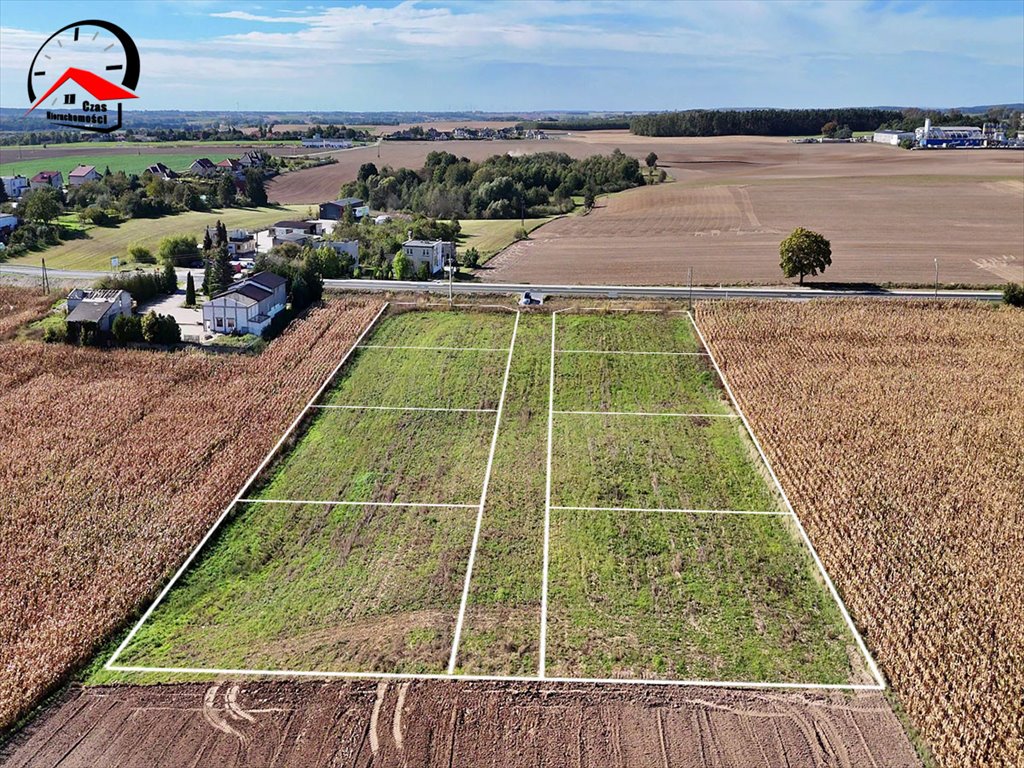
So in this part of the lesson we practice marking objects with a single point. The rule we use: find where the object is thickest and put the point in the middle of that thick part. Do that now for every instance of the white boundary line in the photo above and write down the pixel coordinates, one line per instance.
(483, 501)
(682, 511)
(542, 669)
(752, 684)
(434, 349)
(803, 533)
(628, 352)
(647, 413)
(242, 491)
(357, 503)
(407, 408)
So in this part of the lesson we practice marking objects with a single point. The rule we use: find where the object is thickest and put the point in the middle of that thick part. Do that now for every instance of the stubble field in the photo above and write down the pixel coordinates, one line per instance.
(898, 434)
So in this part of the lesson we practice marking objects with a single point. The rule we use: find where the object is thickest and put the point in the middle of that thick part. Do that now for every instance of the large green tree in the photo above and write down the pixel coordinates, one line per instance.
(804, 253)
(254, 187)
(42, 205)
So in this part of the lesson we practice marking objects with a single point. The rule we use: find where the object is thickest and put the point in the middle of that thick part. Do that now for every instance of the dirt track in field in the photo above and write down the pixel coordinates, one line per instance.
(459, 724)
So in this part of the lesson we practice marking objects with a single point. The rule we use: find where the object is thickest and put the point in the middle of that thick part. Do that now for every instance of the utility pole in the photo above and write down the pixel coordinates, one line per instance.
(46, 280)
(451, 271)
(936, 277)
(689, 281)
(522, 213)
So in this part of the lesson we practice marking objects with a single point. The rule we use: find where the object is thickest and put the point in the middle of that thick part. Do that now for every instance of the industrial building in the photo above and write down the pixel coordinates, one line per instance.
(892, 137)
(946, 136)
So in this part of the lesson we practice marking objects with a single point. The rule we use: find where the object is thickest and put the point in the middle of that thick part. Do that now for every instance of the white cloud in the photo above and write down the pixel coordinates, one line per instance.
(313, 53)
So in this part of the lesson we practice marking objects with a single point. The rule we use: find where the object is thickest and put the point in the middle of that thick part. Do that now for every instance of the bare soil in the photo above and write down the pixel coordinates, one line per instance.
(436, 723)
(888, 213)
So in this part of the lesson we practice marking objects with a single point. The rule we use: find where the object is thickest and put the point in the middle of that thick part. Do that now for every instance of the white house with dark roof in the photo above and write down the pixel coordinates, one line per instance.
(98, 307)
(82, 174)
(434, 253)
(246, 307)
(203, 167)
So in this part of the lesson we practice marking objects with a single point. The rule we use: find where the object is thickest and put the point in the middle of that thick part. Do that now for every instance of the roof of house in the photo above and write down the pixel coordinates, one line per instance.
(45, 176)
(227, 162)
(83, 170)
(204, 162)
(269, 280)
(425, 243)
(93, 305)
(293, 225)
(255, 288)
(345, 201)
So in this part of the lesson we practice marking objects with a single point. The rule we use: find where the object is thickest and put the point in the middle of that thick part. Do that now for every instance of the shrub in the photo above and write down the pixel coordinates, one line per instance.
(1013, 294)
(56, 333)
(126, 329)
(179, 250)
(143, 286)
(141, 254)
(472, 257)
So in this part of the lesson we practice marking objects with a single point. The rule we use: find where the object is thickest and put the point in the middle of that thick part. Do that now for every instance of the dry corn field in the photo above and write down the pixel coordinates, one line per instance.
(115, 463)
(19, 306)
(898, 432)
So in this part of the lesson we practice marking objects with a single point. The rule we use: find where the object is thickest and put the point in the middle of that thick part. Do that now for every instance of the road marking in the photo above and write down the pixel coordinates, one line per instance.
(435, 349)
(629, 352)
(358, 503)
(483, 501)
(659, 509)
(542, 671)
(408, 408)
(754, 684)
(647, 413)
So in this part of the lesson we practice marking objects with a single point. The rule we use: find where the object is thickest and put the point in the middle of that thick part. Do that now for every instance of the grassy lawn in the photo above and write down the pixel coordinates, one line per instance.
(682, 596)
(308, 587)
(586, 381)
(429, 457)
(655, 462)
(94, 251)
(625, 332)
(489, 236)
(376, 588)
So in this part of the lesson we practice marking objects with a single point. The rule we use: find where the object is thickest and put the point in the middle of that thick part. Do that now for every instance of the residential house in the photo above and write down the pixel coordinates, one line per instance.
(99, 308)
(251, 159)
(335, 209)
(232, 165)
(382, 219)
(298, 232)
(434, 253)
(349, 247)
(241, 244)
(8, 223)
(203, 167)
(15, 186)
(46, 179)
(246, 307)
(82, 174)
(162, 171)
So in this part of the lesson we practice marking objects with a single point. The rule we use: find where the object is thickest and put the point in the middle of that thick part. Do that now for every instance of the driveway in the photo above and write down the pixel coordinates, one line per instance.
(189, 319)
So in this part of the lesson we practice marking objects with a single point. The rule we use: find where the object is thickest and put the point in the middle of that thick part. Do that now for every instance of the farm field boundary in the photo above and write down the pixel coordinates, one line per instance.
(267, 497)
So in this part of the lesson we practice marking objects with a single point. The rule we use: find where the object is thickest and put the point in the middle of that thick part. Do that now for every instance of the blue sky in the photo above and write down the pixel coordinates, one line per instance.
(523, 55)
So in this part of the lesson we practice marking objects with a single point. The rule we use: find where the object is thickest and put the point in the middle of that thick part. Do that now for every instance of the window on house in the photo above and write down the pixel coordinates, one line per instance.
(231, 323)
(220, 321)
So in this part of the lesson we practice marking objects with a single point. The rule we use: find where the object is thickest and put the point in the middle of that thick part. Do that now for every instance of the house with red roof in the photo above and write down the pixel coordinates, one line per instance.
(82, 174)
(46, 179)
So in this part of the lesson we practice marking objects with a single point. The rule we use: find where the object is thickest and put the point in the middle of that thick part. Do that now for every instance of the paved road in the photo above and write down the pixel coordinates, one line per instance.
(603, 291)
(646, 291)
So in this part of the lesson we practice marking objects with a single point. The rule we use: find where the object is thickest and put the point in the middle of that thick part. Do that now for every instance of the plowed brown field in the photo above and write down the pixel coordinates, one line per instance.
(888, 213)
(459, 724)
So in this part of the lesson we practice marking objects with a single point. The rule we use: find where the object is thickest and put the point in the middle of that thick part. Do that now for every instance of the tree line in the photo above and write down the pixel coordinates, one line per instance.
(500, 187)
(759, 122)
